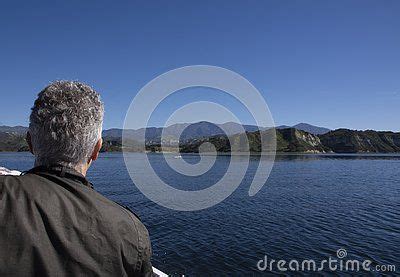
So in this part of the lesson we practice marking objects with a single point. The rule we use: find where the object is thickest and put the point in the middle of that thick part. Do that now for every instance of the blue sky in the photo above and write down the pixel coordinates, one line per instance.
(328, 63)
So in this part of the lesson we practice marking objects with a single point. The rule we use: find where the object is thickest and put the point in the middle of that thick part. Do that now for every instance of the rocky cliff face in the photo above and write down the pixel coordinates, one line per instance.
(288, 140)
(293, 140)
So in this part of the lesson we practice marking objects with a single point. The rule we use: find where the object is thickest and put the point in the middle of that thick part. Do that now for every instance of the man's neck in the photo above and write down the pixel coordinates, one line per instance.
(82, 168)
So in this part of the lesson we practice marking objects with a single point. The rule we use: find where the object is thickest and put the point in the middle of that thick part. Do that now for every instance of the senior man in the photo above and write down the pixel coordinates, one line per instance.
(52, 221)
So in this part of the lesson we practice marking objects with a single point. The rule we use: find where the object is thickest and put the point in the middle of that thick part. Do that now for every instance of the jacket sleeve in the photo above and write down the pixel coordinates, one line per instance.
(143, 262)
(136, 254)
(146, 268)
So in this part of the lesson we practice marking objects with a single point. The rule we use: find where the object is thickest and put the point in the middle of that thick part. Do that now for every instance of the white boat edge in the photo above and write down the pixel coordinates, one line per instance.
(159, 273)
(5, 171)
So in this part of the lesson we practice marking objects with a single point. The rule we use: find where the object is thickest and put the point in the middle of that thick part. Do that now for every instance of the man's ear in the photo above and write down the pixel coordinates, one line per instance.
(29, 141)
(96, 149)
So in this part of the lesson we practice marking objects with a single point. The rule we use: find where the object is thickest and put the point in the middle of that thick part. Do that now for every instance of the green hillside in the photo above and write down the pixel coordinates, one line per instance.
(12, 142)
(288, 140)
(349, 141)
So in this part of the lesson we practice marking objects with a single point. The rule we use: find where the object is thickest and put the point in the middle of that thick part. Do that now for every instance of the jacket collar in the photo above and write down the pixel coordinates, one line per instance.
(61, 171)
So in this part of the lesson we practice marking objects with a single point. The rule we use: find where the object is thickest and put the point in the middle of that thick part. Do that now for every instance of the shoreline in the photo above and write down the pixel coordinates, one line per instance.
(239, 154)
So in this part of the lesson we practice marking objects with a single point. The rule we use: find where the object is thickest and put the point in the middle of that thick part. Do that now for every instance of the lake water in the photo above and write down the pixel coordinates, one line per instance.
(311, 206)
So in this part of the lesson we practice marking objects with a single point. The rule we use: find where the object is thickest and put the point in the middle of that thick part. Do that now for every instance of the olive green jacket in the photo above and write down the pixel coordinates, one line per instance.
(53, 223)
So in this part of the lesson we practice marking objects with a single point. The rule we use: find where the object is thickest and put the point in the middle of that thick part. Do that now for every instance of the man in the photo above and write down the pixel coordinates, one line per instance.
(52, 221)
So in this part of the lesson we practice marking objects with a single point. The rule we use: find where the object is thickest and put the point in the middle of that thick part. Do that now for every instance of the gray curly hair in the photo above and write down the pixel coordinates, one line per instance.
(65, 123)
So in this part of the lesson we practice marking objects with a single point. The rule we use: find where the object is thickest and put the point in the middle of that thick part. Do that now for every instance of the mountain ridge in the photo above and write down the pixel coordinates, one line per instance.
(187, 137)
(315, 130)
(231, 127)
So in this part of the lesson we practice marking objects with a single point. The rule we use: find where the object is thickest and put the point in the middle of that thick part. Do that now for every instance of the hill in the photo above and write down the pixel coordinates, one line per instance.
(315, 130)
(12, 142)
(297, 141)
(350, 141)
(18, 130)
(181, 131)
(288, 140)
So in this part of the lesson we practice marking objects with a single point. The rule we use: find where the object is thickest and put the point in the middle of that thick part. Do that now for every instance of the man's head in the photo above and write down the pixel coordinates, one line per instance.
(65, 125)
